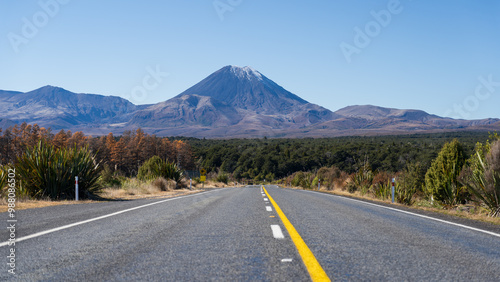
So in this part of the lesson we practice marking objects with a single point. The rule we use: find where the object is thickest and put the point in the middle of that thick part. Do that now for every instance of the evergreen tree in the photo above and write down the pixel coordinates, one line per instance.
(441, 178)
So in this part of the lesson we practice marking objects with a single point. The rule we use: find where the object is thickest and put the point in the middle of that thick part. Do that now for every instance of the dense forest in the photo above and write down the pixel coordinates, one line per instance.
(278, 158)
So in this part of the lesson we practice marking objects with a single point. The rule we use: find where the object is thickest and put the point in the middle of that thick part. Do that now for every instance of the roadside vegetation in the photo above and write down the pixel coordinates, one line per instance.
(46, 164)
(457, 171)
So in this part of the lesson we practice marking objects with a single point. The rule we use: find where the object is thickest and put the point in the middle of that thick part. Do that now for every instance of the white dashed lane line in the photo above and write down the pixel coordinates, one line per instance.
(277, 233)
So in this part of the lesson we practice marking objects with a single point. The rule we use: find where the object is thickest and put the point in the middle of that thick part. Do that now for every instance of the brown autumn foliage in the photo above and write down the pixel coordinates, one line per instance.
(123, 153)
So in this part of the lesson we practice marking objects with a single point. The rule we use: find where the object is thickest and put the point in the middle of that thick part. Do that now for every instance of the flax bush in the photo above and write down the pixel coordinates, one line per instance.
(45, 171)
(156, 167)
(363, 179)
(3, 180)
(482, 178)
(3, 177)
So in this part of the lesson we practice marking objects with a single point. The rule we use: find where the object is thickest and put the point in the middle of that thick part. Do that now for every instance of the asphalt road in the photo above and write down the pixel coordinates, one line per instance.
(226, 235)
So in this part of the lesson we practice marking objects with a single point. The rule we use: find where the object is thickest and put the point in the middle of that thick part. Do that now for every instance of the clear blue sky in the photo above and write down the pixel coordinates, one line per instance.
(429, 55)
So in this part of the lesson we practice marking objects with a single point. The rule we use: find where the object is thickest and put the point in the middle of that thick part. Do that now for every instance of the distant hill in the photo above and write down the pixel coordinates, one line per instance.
(373, 120)
(233, 102)
(62, 109)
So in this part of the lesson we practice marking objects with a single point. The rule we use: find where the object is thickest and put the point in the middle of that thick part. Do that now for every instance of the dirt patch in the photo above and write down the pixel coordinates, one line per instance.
(33, 204)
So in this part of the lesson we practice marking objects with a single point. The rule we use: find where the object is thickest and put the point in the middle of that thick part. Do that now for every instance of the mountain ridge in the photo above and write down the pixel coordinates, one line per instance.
(232, 102)
(59, 108)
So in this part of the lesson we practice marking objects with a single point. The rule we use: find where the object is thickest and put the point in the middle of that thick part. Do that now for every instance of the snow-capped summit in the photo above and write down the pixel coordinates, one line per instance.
(245, 72)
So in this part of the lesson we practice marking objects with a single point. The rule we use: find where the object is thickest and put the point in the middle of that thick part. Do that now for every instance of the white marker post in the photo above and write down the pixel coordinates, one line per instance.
(76, 188)
(190, 182)
(392, 189)
(319, 183)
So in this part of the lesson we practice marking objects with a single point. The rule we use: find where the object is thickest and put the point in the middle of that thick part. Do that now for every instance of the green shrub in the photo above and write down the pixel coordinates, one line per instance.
(21, 191)
(301, 179)
(3, 176)
(109, 178)
(222, 177)
(3, 180)
(156, 167)
(351, 187)
(315, 182)
(383, 190)
(409, 182)
(270, 177)
(403, 194)
(363, 179)
(413, 176)
(482, 178)
(441, 179)
(45, 171)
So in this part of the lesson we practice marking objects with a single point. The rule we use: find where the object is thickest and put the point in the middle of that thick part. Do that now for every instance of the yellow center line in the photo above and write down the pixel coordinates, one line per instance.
(313, 267)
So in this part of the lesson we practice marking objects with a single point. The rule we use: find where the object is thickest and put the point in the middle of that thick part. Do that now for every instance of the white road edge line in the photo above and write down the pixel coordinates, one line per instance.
(268, 208)
(97, 218)
(277, 233)
(415, 214)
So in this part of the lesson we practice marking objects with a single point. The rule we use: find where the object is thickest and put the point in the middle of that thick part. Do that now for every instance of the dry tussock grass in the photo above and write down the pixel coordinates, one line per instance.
(212, 184)
(135, 189)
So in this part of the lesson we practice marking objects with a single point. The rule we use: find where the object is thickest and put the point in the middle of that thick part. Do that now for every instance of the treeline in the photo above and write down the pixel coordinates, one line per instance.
(123, 154)
(259, 159)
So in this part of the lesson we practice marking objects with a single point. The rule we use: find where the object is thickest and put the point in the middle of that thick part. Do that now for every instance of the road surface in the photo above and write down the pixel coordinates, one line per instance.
(237, 234)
